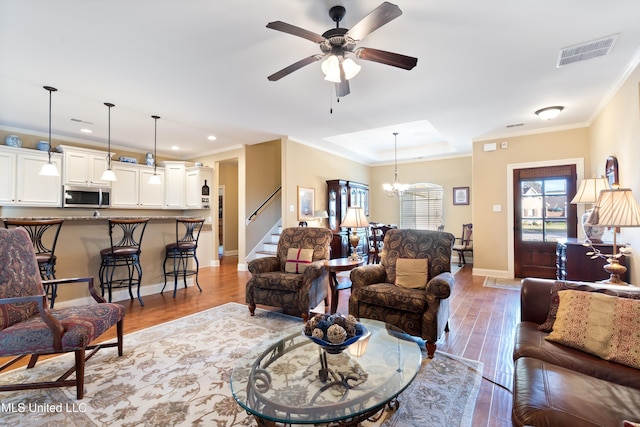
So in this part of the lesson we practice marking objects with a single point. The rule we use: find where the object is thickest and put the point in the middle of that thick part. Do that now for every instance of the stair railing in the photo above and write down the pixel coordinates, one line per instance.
(263, 206)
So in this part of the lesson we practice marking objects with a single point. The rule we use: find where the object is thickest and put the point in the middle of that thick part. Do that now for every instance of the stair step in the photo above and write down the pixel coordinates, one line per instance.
(264, 254)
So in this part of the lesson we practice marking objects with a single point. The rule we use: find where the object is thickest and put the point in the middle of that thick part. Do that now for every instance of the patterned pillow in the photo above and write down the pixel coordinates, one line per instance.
(602, 325)
(412, 273)
(298, 260)
(547, 326)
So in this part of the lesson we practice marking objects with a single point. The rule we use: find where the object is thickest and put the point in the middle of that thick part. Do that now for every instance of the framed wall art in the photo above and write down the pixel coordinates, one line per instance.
(460, 195)
(306, 203)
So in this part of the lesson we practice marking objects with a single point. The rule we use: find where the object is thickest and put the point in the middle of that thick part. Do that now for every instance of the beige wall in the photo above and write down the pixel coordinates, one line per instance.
(229, 180)
(448, 173)
(492, 231)
(616, 132)
(307, 167)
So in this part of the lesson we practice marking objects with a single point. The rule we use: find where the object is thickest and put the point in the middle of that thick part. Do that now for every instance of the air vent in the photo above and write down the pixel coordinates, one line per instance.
(587, 50)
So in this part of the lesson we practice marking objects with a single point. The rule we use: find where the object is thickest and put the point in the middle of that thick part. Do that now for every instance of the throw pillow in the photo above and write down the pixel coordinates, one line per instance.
(412, 273)
(298, 259)
(547, 326)
(602, 325)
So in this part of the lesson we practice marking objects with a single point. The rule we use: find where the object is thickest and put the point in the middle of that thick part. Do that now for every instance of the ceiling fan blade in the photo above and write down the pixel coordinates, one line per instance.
(296, 31)
(293, 67)
(379, 16)
(388, 58)
(342, 89)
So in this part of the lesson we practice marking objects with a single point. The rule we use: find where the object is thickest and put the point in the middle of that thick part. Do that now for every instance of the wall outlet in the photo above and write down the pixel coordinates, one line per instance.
(292, 208)
(497, 208)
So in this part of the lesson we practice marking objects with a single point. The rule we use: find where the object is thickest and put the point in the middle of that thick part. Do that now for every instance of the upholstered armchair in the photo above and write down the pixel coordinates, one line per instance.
(420, 307)
(29, 327)
(295, 280)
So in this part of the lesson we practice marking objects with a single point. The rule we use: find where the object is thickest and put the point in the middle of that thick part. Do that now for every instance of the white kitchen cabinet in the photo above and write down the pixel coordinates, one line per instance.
(132, 188)
(151, 195)
(197, 179)
(174, 190)
(22, 184)
(83, 166)
(33, 189)
(7, 177)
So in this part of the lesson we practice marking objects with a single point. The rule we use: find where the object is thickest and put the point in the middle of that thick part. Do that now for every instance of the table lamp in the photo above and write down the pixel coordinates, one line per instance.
(320, 216)
(614, 208)
(588, 193)
(354, 219)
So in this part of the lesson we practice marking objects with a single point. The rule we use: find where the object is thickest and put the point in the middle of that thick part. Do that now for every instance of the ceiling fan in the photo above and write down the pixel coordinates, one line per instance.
(338, 43)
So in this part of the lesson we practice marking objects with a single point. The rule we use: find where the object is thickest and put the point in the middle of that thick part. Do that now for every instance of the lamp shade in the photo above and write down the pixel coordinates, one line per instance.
(615, 208)
(321, 214)
(589, 190)
(354, 218)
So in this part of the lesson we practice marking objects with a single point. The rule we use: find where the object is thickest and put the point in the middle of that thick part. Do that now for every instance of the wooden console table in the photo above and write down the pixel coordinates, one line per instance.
(573, 263)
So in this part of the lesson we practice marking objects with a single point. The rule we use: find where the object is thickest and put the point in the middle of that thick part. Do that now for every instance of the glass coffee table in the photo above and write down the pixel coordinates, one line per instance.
(294, 381)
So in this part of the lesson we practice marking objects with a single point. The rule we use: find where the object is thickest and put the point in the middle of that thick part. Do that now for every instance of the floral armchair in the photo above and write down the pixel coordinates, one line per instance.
(272, 285)
(29, 327)
(422, 312)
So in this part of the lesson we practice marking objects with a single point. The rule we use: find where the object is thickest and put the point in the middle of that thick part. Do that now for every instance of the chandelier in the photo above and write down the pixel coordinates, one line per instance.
(395, 189)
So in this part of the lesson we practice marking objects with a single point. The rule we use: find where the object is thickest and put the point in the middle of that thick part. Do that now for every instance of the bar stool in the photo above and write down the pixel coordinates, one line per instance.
(181, 251)
(44, 237)
(125, 236)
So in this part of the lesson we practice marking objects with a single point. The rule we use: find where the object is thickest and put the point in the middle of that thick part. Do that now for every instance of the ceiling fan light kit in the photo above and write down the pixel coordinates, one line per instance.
(337, 43)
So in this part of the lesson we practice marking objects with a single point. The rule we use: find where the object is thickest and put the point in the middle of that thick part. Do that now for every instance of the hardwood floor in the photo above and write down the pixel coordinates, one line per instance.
(481, 325)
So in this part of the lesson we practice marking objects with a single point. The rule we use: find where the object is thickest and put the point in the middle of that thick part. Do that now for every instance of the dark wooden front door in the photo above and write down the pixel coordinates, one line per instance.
(542, 215)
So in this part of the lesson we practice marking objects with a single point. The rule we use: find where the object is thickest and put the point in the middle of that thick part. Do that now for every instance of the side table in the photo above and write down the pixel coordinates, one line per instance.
(335, 266)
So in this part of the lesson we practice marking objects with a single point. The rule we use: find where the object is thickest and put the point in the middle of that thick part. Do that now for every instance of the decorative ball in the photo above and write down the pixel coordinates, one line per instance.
(318, 333)
(336, 334)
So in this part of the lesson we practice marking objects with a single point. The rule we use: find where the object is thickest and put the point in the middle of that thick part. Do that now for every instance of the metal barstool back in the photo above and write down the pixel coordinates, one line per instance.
(125, 237)
(184, 248)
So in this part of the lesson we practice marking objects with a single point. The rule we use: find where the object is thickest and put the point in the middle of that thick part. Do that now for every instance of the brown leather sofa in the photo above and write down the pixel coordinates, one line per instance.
(555, 385)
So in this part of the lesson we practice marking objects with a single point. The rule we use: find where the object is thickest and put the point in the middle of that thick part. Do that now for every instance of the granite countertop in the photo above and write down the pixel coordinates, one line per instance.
(92, 218)
(205, 226)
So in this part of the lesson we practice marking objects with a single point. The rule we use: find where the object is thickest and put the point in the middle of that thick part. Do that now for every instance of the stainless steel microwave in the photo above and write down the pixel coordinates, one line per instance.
(86, 197)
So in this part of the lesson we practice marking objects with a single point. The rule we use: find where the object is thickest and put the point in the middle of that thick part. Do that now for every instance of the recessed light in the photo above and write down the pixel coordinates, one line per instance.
(175, 148)
(85, 130)
(211, 138)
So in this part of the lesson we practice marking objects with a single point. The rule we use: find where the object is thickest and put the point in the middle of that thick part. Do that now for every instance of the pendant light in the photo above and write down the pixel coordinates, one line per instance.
(108, 174)
(49, 169)
(395, 189)
(155, 179)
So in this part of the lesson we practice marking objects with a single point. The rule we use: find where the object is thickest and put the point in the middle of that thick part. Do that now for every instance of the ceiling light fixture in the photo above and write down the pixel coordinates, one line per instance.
(211, 138)
(108, 174)
(155, 179)
(49, 169)
(549, 112)
(395, 189)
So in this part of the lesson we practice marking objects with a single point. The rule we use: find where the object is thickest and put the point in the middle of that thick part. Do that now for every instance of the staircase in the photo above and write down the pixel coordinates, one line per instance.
(270, 245)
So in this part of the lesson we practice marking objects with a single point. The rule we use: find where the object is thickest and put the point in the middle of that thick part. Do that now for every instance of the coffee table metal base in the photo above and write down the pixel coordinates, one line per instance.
(372, 415)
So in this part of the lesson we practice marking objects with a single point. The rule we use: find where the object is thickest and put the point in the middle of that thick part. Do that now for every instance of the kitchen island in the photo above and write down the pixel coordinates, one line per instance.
(82, 237)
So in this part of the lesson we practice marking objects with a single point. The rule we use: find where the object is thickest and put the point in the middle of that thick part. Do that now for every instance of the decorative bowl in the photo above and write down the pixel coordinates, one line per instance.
(337, 348)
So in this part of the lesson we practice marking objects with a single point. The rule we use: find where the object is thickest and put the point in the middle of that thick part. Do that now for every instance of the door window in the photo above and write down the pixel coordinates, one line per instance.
(544, 209)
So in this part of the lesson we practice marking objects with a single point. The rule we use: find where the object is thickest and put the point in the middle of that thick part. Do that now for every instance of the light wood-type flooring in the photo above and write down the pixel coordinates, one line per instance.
(481, 325)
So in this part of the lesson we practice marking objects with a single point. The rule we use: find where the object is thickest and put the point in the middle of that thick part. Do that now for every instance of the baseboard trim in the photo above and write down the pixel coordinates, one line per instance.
(503, 274)
(122, 295)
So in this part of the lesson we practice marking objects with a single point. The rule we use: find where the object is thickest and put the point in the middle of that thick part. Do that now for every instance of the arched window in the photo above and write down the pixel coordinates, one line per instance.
(422, 207)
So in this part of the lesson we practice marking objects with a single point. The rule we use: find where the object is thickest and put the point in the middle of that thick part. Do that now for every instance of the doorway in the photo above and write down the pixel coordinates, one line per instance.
(542, 216)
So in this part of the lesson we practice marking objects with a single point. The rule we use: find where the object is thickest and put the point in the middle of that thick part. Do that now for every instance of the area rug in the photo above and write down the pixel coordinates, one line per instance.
(177, 373)
(500, 283)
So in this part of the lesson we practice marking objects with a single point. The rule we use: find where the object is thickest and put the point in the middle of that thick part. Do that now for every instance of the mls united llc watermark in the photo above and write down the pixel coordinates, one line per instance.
(33, 407)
